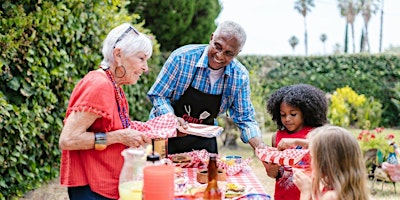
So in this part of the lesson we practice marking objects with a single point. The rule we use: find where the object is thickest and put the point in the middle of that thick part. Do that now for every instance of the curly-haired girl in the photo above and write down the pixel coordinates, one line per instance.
(296, 110)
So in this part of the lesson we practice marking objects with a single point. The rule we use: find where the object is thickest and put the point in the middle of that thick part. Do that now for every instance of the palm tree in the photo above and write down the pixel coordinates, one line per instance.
(293, 41)
(349, 9)
(381, 28)
(368, 7)
(303, 7)
(323, 39)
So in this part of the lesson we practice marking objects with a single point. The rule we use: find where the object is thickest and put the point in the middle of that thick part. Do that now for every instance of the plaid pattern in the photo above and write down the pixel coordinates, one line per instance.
(287, 157)
(163, 126)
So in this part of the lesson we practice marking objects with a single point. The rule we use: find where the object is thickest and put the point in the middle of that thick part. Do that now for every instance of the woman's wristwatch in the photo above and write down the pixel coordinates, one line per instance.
(100, 141)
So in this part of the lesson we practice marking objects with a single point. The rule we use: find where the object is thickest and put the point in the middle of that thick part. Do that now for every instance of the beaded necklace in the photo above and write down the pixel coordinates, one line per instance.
(121, 101)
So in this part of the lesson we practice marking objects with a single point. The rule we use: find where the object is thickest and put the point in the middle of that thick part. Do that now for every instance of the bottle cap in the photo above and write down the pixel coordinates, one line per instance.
(153, 157)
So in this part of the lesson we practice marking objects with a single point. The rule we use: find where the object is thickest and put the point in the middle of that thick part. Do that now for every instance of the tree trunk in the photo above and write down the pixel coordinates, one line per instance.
(230, 132)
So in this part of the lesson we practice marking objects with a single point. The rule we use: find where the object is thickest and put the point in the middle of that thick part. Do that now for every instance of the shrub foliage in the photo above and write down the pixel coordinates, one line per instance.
(46, 47)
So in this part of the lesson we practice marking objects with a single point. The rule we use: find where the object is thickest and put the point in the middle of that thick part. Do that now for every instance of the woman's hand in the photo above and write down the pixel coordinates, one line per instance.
(132, 138)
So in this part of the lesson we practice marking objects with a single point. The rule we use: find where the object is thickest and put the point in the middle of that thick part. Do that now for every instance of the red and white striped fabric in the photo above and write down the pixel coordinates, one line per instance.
(287, 157)
(163, 126)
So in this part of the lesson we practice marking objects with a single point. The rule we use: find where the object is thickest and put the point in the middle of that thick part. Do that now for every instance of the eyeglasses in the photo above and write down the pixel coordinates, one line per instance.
(130, 28)
(219, 49)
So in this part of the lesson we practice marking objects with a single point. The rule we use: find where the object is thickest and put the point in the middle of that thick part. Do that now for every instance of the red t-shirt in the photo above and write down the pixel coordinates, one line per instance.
(98, 169)
(285, 189)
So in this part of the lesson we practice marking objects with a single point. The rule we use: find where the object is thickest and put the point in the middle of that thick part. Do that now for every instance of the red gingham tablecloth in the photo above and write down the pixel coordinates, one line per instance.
(245, 178)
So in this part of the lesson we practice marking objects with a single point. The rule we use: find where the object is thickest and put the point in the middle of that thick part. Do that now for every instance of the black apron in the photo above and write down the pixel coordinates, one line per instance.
(197, 107)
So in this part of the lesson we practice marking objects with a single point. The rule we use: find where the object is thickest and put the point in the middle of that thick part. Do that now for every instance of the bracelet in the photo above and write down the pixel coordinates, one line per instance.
(100, 141)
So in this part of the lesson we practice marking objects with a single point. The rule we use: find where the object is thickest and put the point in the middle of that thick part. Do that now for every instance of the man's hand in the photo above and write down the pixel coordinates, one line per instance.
(183, 124)
(272, 169)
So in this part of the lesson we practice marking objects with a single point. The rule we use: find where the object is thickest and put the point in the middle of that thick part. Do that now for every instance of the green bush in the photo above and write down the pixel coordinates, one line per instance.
(347, 108)
(46, 47)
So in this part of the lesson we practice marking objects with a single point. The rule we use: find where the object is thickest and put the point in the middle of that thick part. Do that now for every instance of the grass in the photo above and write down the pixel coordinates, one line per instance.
(381, 191)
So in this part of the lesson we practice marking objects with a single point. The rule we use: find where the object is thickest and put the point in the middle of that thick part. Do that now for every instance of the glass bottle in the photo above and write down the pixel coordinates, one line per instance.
(131, 176)
(161, 147)
(392, 158)
(212, 191)
(153, 159)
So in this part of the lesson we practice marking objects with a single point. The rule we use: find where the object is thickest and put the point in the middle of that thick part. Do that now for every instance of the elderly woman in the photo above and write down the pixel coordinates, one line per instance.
(96, 126)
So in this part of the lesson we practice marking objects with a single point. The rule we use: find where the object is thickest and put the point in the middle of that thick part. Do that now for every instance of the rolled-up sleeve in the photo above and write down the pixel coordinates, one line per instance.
(161, 92)
(242, 112)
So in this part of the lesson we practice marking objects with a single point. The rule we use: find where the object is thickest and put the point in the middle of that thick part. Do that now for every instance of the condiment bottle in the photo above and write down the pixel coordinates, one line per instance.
(392, 158)
(161, 147)
(153, 159)
(212, 191)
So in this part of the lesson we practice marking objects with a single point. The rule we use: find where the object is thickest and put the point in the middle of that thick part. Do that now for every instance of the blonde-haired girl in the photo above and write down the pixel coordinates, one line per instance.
(338, 167)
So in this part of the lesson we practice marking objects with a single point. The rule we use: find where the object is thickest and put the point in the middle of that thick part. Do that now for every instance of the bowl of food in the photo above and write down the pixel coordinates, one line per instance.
(202, 175)
(232, 159)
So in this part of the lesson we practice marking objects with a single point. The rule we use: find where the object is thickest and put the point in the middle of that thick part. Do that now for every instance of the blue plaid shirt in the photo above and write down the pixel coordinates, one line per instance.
(177, 74)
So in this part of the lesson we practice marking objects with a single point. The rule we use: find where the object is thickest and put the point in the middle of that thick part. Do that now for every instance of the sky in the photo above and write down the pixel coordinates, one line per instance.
(269, 24)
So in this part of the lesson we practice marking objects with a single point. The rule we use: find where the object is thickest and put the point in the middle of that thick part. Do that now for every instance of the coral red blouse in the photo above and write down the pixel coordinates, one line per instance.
(98, 169)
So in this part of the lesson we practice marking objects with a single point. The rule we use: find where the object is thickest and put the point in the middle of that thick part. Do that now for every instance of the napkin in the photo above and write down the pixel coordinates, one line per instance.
(235, 168)
(287, 157)
(202, 130)
(163, 126)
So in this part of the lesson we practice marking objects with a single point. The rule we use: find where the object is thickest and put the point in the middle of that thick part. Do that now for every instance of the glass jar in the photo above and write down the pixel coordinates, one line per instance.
(131, 176)
(161, 147)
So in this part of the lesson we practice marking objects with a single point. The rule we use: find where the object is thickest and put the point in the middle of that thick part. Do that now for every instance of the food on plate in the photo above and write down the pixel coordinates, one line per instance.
(234, 190)
(178, 171)
(181, 159)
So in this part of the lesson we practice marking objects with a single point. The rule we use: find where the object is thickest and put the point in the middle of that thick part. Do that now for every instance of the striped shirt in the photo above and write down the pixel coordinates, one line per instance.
(179, 71)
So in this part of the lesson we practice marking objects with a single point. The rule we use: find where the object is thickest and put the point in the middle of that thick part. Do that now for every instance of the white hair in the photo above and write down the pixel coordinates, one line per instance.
(130, 43)
(233, 29)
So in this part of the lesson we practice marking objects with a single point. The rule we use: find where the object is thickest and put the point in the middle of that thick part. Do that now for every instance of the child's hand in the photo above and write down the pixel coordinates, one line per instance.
(286, 143)
(301, 180)
(289, 143)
